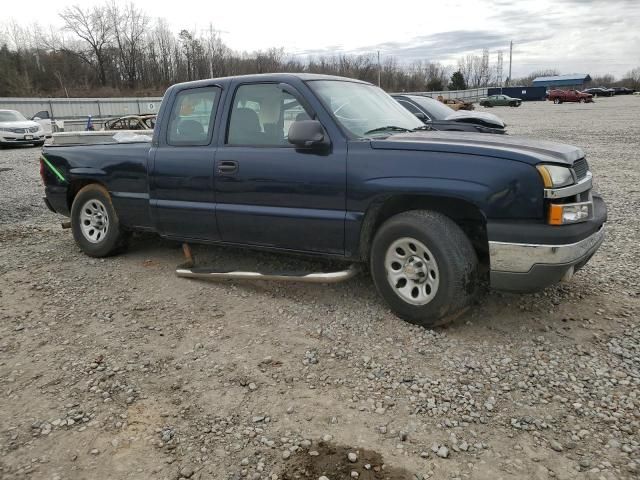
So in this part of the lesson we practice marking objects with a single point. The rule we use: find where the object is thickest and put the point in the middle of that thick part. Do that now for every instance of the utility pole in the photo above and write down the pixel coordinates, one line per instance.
(379, 67)
(499, 70)
(510, 57)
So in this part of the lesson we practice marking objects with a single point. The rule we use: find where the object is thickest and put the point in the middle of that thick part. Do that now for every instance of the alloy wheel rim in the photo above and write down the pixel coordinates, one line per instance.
(94, 221)
(412, 271)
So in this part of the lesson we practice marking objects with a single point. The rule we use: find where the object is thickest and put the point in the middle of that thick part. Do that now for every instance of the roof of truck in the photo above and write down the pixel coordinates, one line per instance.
(270, 77)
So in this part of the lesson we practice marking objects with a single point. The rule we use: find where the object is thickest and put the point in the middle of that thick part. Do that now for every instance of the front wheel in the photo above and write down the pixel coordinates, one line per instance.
(94, 223)
(556, 101)
(424, 267)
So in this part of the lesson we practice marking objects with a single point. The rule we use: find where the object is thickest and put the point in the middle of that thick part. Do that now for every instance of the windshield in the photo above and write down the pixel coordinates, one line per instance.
(11, 116)
(435, 109)
(361, 108)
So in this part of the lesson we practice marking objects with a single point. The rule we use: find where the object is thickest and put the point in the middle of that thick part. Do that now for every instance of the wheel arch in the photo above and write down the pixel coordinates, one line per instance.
(468, 216)
(75, 185)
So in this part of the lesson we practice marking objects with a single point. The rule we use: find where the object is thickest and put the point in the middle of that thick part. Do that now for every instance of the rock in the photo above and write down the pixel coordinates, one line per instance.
(186, 471)
(585, 462)
(327, 438)
(95, 451)
(253, 386)
(286, 454)
(353, 458)
(443, 452)
(354, 474)
(555, 445)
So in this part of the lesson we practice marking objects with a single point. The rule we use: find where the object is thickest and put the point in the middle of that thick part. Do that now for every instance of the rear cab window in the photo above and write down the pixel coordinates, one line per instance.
(192, 116)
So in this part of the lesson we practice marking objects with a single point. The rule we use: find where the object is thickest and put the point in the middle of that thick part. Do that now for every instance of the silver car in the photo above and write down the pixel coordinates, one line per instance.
(15, 129)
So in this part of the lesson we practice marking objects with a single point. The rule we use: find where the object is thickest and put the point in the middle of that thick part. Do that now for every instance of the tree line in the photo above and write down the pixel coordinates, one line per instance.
(110, 50)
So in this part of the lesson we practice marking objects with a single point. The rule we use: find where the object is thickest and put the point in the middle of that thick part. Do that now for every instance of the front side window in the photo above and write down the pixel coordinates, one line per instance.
(436, 109)
(362, 109)
(192, 116)
(409, 106)
(261, 115)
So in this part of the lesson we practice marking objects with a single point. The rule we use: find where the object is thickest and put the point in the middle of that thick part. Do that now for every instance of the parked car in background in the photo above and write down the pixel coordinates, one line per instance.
(15, 129)
(559, 96)
(623, 91)
(131, 122)
(600, 92)
(500, 100)
(43, 118)
(442, 117)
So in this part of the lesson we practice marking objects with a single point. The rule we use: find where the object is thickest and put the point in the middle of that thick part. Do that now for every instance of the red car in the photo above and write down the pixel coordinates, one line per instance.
(559, 96)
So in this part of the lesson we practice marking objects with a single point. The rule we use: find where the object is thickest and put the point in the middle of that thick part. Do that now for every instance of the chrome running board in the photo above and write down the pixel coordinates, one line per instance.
(204, 273)
(188, 270)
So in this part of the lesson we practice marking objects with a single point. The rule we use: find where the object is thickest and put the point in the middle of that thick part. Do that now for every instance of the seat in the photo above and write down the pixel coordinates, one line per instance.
(191, 131)
(302, 116)
(244, 128)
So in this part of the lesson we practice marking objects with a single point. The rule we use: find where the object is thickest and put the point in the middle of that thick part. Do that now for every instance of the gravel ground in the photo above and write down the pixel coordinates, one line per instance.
(115, 368)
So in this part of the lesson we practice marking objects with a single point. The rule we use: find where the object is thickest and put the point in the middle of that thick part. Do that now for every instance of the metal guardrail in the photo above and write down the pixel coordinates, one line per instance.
(81, 108)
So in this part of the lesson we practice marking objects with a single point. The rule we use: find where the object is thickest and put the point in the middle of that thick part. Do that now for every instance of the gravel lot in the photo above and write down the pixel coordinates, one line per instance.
(113, 369)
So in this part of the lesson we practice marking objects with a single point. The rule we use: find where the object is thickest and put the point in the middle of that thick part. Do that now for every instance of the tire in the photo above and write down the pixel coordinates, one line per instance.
(94, 222)
(434, 248)
(557, 101)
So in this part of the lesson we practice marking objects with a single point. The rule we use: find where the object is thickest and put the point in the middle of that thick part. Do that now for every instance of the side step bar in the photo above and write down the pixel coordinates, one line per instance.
(188, 270)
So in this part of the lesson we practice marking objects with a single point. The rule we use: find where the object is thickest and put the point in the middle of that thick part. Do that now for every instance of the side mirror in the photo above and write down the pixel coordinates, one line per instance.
(307, 134)
(421, 116)
(36, 119)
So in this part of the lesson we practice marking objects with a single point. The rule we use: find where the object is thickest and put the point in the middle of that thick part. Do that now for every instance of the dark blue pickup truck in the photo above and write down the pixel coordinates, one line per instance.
(334, 167)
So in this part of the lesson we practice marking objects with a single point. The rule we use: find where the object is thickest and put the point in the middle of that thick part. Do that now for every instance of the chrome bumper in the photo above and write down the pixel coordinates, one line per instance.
(528, 267)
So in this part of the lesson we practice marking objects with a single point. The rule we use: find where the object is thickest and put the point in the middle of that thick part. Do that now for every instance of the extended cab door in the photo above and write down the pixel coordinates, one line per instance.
(182, 194)
(269, 193)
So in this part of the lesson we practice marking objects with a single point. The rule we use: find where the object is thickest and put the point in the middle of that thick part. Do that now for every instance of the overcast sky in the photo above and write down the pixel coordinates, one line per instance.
(572, 36)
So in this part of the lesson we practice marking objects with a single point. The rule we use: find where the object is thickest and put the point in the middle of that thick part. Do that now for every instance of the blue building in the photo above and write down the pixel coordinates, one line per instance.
(577, 81)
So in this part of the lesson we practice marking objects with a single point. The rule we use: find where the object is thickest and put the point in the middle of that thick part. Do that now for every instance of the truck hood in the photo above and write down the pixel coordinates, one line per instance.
(521, 149)
(19, 124)
(481, 118)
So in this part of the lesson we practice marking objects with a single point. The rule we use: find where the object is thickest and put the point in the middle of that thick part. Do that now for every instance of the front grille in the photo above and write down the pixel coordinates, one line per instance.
(25, 130)
(581, 167)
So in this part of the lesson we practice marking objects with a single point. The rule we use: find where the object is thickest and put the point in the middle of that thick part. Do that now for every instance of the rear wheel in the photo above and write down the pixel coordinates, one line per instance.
(424, 267)
(557, 101)
(94, 223)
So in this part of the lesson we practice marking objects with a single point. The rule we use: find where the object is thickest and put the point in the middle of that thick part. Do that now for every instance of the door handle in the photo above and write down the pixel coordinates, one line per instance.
(227, 167)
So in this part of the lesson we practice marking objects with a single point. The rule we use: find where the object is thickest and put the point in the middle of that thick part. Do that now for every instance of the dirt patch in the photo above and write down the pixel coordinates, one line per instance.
(332, 461)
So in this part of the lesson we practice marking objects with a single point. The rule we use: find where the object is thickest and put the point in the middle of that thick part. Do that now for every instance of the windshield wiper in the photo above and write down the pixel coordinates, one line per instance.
(388, 127)
(422, 127)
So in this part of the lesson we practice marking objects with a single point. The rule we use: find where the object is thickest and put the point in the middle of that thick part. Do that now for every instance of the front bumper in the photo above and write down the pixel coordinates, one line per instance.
(543, 261)
(21, 138)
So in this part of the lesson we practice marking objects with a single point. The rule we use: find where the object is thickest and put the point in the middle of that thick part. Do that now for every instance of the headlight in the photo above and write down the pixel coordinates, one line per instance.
(554, 176)
(561, 214)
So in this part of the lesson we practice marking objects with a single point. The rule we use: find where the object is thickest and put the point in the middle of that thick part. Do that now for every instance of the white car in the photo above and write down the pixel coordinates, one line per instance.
(17, 130)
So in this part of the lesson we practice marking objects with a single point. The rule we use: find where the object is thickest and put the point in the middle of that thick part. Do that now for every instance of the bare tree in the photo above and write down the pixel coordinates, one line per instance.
(94, 27)
(129, 25)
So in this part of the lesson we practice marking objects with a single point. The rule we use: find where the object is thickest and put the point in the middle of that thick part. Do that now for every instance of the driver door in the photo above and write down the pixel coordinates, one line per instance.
(269, 193)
